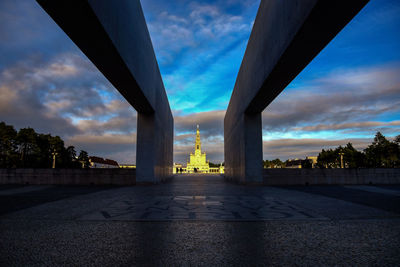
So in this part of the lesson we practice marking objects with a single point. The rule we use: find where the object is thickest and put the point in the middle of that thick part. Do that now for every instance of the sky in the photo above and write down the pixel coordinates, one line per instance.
(347, 93)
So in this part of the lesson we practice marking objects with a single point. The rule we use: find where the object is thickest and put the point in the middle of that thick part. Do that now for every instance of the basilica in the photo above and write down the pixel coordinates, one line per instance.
(198, 162)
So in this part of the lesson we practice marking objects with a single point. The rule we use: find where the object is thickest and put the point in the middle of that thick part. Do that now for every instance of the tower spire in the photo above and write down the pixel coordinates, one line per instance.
(198, 142)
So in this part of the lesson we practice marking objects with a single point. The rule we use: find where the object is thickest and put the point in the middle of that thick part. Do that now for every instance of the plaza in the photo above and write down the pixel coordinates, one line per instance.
(147, 216)
(199, 220)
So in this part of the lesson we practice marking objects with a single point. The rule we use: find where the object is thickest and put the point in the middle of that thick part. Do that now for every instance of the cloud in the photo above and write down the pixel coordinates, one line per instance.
(211, 123)
(193, 42)
(347, 103)
(120, 147)
(21, 101)
(26, 30)
(66, 96)
(211, 133)
(350, 125)
(48, 84)
(339, 100)
(300, 148)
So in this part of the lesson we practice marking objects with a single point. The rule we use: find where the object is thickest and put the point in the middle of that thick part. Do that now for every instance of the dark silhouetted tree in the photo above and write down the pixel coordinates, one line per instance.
(275, 163)
(28, 149)
(329, 158)
(84, 159)
(8, 146)
(382, 153)
(352, 157)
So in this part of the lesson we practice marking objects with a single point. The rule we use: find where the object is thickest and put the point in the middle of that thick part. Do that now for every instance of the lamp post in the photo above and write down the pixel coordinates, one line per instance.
(54, 153)
(341, 159)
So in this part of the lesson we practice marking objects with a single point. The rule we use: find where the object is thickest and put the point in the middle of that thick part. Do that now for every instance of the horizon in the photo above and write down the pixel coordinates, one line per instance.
(49, 85)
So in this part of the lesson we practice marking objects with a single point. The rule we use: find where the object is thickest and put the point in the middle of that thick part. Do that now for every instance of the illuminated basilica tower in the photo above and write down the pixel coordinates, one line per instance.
(198, 161)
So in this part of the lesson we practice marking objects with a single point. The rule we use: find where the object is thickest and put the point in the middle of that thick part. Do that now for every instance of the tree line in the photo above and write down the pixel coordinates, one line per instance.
(382, 153)
(27, 149)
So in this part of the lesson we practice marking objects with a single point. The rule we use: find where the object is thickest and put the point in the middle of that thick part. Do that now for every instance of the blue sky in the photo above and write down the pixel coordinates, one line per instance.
(347, 93)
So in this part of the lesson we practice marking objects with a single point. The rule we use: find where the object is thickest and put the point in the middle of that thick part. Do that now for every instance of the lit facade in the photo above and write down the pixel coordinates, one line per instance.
(198, 162)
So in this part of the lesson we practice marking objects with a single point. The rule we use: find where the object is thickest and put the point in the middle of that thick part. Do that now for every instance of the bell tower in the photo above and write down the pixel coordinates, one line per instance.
(197, 150)
(197, 162)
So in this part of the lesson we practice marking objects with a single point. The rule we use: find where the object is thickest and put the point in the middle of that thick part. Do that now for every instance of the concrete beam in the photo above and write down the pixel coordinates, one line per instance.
(114, 36)
(286, 36)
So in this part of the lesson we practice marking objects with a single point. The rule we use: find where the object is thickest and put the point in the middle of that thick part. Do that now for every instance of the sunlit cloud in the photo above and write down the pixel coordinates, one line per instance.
(350, 91)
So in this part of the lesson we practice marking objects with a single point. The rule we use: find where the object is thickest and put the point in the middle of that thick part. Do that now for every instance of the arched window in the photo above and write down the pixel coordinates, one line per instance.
(197, 146)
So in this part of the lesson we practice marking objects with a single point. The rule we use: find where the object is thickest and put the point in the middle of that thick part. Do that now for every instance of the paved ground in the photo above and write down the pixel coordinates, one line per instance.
(200, 221)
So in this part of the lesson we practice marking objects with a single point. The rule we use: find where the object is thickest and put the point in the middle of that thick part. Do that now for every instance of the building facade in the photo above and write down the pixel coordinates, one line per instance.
(97, 162)
(197, 161)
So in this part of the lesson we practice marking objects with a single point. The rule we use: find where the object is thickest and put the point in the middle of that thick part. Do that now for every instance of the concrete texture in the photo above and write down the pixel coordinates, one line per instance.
(330, 176)
(68, 176)
(286, 36)
(62, 225)
(114, 36)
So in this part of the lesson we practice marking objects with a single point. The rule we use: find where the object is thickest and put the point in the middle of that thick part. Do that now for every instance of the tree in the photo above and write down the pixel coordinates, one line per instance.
(396, 140)
(276, 163)
(382, 153)
(27, 146)
(72, 159)
(71, 153)
(84, 159)
(8, 146)
(329, 158)
(44, 158)
(214, 165)
(28, 149)
(353, 158)
(306, 164)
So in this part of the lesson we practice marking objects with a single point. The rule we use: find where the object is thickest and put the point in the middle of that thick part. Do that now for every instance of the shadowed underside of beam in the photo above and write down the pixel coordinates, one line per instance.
(286, 36)
(114, 36)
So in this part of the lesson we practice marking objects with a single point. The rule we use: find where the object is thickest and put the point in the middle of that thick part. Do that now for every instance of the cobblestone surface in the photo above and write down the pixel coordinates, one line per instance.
(72, 229)
(227, 208)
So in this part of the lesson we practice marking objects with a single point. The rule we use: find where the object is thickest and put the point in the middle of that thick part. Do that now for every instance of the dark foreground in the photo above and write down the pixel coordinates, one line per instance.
(200, 220)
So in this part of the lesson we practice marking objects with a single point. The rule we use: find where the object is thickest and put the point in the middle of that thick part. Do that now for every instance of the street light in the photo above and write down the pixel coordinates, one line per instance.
(341, 159)
(54, 153)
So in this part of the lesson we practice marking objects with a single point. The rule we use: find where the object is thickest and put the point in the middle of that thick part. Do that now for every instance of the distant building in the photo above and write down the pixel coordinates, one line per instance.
(97, 162)
(313, 161)
(197, 162)
(127, 166)
(309, 162)
(177, 168)
(220, 169)
(294, 163)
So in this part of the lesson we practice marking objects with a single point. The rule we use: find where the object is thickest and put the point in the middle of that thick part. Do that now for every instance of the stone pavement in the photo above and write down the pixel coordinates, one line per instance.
(200, 220)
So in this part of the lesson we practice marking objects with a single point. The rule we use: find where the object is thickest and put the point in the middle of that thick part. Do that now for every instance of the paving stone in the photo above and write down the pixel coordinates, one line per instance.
(198, 221)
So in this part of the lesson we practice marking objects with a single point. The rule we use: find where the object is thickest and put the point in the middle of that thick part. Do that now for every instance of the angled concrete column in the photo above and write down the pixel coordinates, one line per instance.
(286, 36)
(244, 156)
(114, 36)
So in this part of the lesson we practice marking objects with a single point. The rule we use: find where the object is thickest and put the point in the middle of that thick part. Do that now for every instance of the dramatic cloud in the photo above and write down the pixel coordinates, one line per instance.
(121, 147)
(345, 99)
(211, 131)
(350, 91)
(67, 96)
(199, 46)
(211, 123)
(350, 125)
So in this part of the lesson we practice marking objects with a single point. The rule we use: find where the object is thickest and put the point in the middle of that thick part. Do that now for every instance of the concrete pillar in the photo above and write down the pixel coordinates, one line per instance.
(243, 150)
(286, 36)
(145, 148)
(153, 157)
(114, 36)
